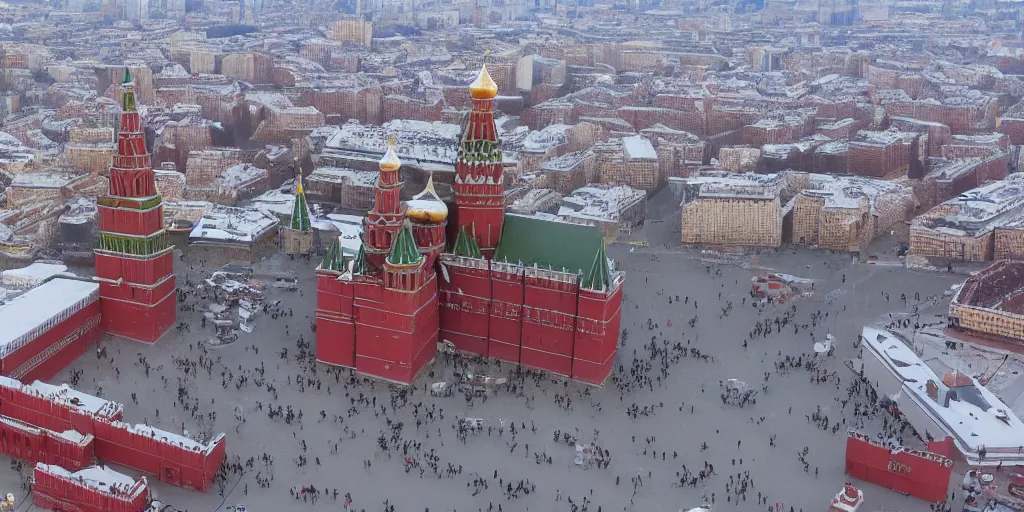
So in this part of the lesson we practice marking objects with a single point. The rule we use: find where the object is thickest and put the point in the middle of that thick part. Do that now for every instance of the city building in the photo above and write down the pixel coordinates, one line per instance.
(963, 228)
(616, 210)
(732, 209)
(530, 291)
(234, 235)
(845, 213)
(134, 261)
(991, 303)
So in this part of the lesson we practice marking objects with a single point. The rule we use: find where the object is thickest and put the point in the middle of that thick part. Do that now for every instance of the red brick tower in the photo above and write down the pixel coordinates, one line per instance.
(382, 319)
(397, 326)
(384, 220)
(479, 187)
(134, 262)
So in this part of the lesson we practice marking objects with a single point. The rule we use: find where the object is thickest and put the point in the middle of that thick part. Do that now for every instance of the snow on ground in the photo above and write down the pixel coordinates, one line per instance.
(654, 274)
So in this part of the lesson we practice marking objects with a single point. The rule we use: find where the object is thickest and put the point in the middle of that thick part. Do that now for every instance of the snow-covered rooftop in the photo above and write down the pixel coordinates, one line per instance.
(97, 477)
(41, 180)
(638, 147)
(599, 203)
(26, 316)
(276, 202)
(349, 227)
(977, 209)
(66, 396)
(230, 224)
(549, 137)
(32, 275)
(172, 438)
(342, 174)
(737, 185)
(239, 175)
(847, 191)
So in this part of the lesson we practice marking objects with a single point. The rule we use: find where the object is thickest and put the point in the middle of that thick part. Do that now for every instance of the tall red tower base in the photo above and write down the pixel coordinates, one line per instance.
(134, 261)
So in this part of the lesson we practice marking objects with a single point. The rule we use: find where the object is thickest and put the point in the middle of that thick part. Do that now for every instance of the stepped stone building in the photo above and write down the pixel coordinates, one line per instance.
(732, 209)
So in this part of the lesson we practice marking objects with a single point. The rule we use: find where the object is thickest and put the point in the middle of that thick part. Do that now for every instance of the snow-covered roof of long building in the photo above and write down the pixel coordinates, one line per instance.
(97, 477)
(637, 147)
(847, 191)
(66, 396)
(25, 317)
(230, 224)
(599, 202)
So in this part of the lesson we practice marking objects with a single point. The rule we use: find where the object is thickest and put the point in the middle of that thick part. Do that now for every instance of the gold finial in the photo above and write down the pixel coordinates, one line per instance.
(390, 161)
(298, 188)
(483, 88)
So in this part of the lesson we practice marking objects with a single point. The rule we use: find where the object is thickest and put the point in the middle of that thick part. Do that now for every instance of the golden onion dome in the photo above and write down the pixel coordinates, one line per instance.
(483, 88)
(426, 207)
(390, 161)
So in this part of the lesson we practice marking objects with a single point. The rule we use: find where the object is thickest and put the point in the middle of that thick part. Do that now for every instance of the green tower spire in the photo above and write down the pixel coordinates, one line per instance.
(403, 249)
(332, 259)
(599, 277)
(128, 96)
(466, 245)
(359, 267)
(300, 212)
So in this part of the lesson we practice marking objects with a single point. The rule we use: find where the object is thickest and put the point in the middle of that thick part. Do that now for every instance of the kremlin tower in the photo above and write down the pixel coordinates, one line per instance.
(378, 314)
(384, 219)
(526, 290)
(297, 237)
(479, 185)
(134, 262)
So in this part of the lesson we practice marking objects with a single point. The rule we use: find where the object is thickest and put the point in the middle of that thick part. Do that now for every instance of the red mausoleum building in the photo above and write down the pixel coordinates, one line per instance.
(531, 291)
(134, 262)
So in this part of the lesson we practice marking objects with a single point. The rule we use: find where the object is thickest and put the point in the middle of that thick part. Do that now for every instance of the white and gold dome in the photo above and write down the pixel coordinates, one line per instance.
(426, 207)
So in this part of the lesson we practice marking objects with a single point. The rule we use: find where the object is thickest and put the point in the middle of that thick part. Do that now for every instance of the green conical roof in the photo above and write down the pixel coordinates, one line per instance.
(600, 275)
(128, 95)
(466, 245)
(359, 266)
(403, 249)
(300, 212)
(332, 260)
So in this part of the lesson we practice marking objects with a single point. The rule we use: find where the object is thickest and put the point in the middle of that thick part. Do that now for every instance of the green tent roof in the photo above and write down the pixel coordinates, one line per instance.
(128, 96)
(332, 259)
(600, 275)
(359, 266)
(300, 212)
(403, 248)
(466, 245)
(548, 243)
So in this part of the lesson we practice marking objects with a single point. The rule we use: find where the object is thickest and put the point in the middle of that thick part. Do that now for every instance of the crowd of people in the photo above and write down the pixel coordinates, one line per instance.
(413, 431)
